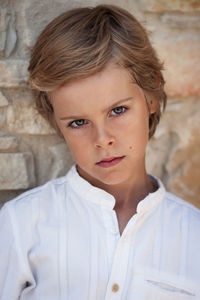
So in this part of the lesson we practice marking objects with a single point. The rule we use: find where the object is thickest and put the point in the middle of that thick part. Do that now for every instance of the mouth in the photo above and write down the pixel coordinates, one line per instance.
(110, 161)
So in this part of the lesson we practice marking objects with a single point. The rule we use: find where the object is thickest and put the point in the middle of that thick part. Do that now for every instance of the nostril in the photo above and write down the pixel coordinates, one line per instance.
(98, 146)
(104, 141)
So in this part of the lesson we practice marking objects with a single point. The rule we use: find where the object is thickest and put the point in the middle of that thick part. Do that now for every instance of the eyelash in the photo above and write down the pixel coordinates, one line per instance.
(116, 115)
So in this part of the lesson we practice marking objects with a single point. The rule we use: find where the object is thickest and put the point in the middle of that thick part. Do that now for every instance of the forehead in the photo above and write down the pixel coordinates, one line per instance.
(111, 84)
(111, 72)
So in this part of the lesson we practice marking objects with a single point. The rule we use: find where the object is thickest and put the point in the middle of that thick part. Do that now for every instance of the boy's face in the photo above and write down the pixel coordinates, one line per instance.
(104, 117)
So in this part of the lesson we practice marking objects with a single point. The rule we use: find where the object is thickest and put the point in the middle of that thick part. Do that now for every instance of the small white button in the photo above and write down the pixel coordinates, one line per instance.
(115, 288)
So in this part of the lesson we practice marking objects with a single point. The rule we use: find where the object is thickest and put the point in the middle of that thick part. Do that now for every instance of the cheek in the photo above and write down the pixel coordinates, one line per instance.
(77, 152)
(137, 137)
(77, 145)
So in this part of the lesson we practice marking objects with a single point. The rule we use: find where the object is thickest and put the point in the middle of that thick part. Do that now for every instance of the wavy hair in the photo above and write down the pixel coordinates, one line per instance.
(80, 42)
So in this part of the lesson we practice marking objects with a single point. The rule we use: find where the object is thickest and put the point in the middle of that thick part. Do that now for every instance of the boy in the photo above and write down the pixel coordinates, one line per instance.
(106, 230)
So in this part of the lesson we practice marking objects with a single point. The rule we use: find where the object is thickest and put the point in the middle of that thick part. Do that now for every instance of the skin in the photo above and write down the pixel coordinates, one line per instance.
(96, 125)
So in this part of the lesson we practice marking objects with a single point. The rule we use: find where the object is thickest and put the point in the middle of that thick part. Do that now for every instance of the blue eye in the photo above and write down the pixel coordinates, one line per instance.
(119, 110)
(77, 123)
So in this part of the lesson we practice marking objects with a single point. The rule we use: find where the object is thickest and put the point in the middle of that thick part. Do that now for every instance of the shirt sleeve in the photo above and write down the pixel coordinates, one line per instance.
(13, 270)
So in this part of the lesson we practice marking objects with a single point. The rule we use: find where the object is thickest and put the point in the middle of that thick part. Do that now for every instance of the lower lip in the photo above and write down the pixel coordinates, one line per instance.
(107, 164)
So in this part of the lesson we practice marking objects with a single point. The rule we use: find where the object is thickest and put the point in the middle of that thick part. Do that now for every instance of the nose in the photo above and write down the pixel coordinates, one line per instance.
(103, 139)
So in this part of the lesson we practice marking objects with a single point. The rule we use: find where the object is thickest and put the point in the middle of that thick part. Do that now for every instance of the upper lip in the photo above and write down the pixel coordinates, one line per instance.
(108, 159)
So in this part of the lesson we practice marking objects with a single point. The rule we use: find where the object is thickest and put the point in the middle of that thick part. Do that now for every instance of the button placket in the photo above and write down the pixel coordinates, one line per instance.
(119, 270)
(112, 235)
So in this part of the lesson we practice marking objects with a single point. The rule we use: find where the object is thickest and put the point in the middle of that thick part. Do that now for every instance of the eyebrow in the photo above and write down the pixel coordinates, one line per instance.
(108, 108)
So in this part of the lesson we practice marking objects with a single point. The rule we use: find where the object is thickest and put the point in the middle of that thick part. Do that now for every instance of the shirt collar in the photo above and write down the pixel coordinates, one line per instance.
(96, 195)
(152, 199)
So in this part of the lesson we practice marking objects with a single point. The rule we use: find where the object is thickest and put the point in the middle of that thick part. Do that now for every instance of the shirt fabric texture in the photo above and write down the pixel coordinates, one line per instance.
(61, 241)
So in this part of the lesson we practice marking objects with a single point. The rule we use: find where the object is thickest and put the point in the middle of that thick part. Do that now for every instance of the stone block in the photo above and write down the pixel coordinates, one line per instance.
(3, 100)
(8, 36)
(61, 160)
(2, 120)
(181, 62)
(157, 152)
(183, 164)
(181, 20)
(16, 171)
(20, 96)
(8, 195)
(13, 73)
(37, 14)
(186, 133)
(25, 119)
(160, 6)
(173, 153)
(8, 143)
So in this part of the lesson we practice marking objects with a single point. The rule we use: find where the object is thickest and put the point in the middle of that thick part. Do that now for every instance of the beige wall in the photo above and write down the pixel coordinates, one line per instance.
(31, 153)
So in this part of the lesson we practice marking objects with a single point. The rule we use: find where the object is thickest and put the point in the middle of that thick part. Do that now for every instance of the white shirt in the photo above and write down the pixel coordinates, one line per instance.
(61, 241)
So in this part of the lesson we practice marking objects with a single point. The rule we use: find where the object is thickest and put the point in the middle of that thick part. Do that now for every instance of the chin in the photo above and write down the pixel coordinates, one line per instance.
(97, 178)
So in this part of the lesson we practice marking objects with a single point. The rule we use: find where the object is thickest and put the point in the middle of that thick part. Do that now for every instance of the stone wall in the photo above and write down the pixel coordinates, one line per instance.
(30, 151)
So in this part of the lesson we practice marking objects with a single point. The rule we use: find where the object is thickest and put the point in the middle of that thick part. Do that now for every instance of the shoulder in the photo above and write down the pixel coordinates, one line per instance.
(30, 215)
(43, 196)
(181, 203)
(181, 209)
(172, 203)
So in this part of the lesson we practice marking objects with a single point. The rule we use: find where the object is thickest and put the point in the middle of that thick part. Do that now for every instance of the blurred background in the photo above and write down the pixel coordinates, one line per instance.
(30, 151)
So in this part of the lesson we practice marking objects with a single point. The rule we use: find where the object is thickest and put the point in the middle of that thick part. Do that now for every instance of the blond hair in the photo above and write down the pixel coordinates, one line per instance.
(80, 42)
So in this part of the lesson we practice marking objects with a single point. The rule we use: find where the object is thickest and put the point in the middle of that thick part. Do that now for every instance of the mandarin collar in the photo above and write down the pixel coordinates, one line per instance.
(98, 196)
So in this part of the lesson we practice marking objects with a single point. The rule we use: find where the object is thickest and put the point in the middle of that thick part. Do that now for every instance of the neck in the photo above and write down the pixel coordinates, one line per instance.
(127, 194)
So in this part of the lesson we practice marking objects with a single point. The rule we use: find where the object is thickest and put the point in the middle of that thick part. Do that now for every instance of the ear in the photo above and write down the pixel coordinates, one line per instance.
(153, 106)
(152, 103)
